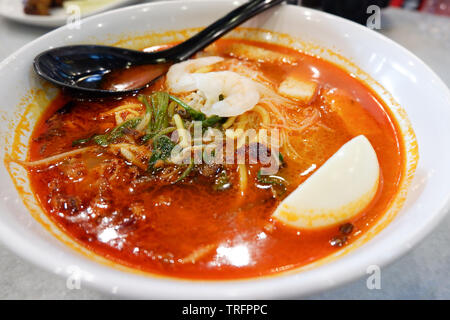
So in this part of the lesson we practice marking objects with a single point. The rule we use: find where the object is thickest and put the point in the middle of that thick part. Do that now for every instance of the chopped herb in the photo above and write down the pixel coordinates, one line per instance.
(186, 172)
(165, 145)
(270, 179)
(196, 115)
(156, 111)
(80, 141)
(162, 149)
(148, 109)
(156, 156)
(280, 156)
(106, 139)
(147, 137)
(209, 122)
(160, 102)
(222, 182)
(277, 184)
(154, 136)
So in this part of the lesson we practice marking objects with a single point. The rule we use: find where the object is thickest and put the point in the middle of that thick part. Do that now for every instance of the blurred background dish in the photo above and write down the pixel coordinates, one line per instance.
(59, 13)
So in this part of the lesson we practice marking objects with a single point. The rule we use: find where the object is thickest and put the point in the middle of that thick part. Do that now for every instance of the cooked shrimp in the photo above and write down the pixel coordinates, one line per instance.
(181, 77)
(226, 93)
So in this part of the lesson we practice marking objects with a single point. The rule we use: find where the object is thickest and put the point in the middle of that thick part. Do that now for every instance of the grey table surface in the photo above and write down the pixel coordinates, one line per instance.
(423, 273)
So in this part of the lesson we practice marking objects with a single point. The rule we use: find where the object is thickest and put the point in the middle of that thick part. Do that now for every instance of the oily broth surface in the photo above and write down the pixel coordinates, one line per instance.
(151, 227)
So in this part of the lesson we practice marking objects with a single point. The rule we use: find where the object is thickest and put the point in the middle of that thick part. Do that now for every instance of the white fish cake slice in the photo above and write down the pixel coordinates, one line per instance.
(298, 89)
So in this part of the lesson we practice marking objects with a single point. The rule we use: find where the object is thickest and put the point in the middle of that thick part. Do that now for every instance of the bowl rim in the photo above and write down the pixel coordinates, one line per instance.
(245, 288)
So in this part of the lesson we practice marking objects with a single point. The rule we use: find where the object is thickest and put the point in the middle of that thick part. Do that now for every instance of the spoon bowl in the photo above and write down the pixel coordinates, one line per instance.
(92, 69)
(85, 67)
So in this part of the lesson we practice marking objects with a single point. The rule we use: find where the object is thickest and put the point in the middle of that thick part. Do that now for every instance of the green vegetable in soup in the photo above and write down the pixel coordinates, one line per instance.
(106, 139)
(222, 182)
(277, 183)
(163, 147)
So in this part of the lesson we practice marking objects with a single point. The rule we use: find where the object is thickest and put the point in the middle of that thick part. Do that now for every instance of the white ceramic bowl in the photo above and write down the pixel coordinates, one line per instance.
(411, 83)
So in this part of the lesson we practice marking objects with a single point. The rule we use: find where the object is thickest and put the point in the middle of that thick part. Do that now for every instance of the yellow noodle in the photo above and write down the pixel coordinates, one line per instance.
(234, 133)
(229, 122)
(243, 179)
(242, 121)
(128, 151)
(291, 152)
(198, 253)
(123, 107)
(55, 158)
(265, 117)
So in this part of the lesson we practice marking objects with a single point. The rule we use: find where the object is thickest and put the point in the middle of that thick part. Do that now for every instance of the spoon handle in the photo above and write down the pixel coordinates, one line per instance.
(216, 30)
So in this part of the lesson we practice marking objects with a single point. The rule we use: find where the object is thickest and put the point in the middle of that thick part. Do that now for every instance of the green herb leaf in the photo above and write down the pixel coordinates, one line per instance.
(160, 102)
(209, 122)
(162, 148)
(106, 139)
(278, 184)
(148, 110)
(186, 172)
(154, 136)
(196, 115)
(280, 156)
(222, 182)
(165, 145)
(80, 141)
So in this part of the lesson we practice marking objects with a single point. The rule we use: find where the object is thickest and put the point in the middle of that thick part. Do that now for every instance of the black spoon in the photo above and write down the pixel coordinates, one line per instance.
(83, 69)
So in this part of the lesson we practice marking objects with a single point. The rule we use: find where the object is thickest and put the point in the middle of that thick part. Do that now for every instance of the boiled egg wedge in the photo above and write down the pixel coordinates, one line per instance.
(339, 190)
